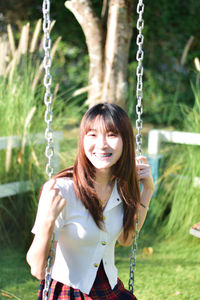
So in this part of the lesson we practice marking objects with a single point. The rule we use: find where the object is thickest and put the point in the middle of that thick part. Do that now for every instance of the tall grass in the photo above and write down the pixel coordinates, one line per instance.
(21, 114)
(177, 204)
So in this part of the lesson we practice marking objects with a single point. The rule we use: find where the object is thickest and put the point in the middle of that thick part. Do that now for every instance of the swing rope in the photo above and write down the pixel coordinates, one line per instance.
(49, 151)
(49, 118)
(139, 111)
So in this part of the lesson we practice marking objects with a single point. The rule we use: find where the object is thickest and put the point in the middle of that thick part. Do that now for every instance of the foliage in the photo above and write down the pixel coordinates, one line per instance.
(163, 94)
(171, 43)
(70, 71)
(21, 114)
(177, 207)
(169, 25)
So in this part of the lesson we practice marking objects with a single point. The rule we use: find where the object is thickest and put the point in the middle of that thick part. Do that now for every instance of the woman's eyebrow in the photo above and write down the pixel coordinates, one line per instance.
(92, 129)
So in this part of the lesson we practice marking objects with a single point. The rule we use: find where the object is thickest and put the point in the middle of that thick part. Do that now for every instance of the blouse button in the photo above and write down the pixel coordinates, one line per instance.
(103, 243)
(96, 265)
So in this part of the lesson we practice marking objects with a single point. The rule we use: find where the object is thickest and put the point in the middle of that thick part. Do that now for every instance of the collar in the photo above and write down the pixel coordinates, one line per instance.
(114, 199)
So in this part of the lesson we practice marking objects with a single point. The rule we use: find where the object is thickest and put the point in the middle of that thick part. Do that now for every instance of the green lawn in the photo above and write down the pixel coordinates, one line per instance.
(171, 272)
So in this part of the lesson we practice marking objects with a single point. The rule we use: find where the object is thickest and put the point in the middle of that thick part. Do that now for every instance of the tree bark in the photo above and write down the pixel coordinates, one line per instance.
(108, 41)
(119, 33)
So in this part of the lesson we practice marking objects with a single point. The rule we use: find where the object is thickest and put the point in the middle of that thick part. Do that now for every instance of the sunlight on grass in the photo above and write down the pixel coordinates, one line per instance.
(172, 271)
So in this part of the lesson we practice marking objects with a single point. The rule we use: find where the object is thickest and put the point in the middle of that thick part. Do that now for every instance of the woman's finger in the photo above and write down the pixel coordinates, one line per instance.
(143, 172)
(49, 185)
(143, 166)
(142, 159)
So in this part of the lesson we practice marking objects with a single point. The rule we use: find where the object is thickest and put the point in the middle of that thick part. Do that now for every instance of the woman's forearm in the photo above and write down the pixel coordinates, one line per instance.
(38, 253)
(146, 196)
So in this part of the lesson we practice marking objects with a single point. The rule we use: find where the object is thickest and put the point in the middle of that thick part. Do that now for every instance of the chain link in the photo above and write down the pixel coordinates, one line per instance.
(139, 124)
(133, 261)
(49, 151)
(139, 74)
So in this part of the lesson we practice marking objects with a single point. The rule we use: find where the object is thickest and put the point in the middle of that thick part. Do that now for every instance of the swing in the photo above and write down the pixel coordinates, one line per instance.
(49, 118)
(139, 111)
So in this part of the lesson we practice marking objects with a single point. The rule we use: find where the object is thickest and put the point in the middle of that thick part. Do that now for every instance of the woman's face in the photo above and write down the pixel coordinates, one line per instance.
(103, 148)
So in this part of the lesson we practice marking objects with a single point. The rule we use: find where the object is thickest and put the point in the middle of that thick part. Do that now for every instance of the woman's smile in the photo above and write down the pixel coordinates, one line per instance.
(102, 155)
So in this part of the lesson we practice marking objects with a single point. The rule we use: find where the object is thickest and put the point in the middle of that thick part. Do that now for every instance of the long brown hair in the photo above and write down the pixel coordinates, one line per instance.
(116, 120)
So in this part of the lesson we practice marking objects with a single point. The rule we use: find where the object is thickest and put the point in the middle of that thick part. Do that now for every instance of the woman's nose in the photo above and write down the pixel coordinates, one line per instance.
(101, 141)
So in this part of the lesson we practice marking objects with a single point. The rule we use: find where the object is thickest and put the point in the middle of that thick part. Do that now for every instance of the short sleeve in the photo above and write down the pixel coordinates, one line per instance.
(43, 202)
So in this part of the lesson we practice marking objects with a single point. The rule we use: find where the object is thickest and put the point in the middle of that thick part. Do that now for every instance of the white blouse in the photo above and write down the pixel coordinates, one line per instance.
(81, 244)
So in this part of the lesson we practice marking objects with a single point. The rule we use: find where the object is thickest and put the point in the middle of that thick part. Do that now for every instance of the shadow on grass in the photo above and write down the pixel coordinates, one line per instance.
(15, 278)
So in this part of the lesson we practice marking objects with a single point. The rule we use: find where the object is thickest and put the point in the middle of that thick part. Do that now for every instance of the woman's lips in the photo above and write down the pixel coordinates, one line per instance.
(102, 155)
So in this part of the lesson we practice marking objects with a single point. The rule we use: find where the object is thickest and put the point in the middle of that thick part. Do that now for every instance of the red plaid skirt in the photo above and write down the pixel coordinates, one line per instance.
(101, 290)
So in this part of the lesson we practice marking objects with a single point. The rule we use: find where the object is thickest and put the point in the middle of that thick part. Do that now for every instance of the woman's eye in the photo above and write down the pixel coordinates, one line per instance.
(111, 134)
(90, 133)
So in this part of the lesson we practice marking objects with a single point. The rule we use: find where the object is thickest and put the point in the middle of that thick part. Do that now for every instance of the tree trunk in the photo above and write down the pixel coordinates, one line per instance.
(108, 47)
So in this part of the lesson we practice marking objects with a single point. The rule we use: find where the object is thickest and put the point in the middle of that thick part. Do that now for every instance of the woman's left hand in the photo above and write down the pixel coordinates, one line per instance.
(144, 173)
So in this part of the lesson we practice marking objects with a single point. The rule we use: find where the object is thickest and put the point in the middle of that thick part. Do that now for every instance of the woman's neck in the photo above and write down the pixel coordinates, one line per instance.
(103, 178)
(103, 186)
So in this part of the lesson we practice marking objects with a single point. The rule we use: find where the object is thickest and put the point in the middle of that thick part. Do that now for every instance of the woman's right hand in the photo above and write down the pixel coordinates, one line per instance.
(54, 201)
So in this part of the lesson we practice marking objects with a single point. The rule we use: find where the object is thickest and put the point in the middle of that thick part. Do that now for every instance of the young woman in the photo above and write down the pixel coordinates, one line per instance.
(89, 207)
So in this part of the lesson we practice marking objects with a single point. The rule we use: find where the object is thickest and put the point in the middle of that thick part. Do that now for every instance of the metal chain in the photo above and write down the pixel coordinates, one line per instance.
(139, 111)
(47, 83)
(139, 74)
(133, 262)
(48, 271)
(48, 119)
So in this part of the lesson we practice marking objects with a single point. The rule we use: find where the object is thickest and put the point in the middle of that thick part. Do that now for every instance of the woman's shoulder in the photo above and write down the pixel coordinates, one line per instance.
(67, 190)
(65, 181)
(65, 184)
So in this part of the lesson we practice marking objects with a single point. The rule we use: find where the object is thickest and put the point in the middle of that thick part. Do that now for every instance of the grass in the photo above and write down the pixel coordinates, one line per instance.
(170, 272)
(179, 187)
